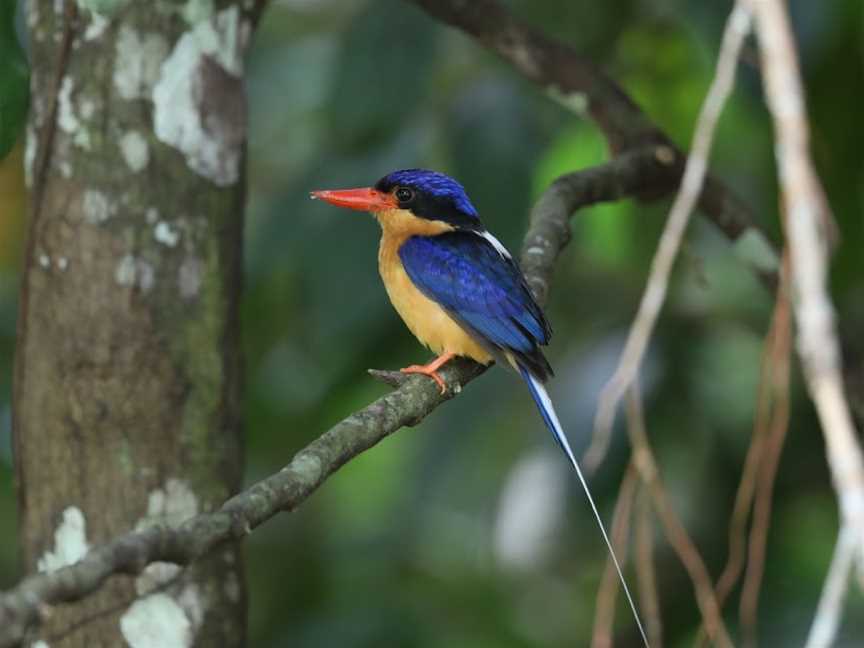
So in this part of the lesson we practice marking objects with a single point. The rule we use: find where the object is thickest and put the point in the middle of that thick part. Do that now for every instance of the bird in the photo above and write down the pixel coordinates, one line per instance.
(460, 292)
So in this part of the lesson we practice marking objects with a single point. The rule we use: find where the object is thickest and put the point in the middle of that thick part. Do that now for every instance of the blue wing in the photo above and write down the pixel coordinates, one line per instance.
(477, 282)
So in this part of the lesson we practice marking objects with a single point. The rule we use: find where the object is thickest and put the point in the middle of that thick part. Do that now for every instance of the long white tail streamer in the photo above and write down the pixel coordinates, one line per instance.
(547, 410)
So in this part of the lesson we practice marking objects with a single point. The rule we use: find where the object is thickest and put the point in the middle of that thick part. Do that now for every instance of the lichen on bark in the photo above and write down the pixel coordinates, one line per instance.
(127, 369)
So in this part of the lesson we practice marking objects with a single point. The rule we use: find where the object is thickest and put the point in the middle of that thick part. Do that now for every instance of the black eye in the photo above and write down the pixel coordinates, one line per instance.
(404, 194)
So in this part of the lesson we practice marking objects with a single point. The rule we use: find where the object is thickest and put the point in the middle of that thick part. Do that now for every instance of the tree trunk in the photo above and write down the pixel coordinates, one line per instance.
(126, 406)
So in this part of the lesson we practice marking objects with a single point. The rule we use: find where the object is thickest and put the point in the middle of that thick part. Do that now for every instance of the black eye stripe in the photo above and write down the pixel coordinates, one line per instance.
(442, 209)
(424, 204)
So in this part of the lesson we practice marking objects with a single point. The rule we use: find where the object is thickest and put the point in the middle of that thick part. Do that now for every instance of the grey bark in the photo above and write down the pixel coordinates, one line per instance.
(127, 378)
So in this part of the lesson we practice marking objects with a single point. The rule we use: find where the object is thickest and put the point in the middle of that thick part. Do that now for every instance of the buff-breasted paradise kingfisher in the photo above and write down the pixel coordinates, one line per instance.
(459, 290)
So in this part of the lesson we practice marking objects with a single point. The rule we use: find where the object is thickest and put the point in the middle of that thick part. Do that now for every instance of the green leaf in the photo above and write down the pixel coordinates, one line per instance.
(14, 80)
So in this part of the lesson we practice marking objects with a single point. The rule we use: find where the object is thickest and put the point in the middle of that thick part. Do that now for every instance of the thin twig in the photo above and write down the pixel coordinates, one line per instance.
(737, 28)
(649, 593)
(604, 615)
(744, 497)
(771, 410)
(580, 85)
(827, 620)
(675, 532)
(63, 634)
(807, 229)
(778, 426)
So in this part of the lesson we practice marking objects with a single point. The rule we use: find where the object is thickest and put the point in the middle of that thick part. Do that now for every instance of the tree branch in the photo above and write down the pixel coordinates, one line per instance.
(24, 606)
(826, 623)
(567, 76)
(737, 28)
(583, 87)
(607, 593)
(636, 173)
(649, 592)
(679, 539)
(808, 229)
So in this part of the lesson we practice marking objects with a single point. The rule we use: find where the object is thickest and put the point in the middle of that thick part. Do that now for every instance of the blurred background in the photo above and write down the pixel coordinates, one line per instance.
(469, 531)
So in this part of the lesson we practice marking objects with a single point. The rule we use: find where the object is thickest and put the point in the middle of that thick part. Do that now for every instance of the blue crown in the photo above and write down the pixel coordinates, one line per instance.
(433, 183)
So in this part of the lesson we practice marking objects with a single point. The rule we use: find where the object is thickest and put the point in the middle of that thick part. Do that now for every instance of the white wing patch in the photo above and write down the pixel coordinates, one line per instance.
(495, 243)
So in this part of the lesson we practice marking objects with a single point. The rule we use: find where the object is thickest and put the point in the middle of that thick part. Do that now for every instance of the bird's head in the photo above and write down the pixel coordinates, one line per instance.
(419, 193)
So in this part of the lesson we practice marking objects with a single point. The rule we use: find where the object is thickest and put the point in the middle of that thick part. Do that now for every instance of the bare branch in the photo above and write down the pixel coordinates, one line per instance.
(675, 532)
(760, 465)
(737, 28)
(776, 426)
(581, 86)
(604, 613)
(649, 597)
(635, 173)
(23, 606)
(808, 228)
(830, 610)
(567, 76)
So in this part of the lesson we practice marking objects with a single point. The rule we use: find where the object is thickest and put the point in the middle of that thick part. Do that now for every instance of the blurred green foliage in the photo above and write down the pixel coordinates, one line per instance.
(408, 545)
(14, 80)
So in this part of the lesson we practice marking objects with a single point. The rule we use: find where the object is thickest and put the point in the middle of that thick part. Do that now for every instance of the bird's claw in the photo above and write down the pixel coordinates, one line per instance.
(424, 370)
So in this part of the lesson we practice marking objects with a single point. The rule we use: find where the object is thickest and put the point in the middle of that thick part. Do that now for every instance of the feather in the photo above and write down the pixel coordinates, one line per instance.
(547, 411)
(481, 289)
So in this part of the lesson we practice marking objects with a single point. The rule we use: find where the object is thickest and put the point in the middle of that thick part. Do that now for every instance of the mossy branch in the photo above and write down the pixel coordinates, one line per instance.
(24, 607)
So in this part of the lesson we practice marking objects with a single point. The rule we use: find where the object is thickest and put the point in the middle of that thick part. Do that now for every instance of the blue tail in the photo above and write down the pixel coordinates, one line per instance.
(544, 404)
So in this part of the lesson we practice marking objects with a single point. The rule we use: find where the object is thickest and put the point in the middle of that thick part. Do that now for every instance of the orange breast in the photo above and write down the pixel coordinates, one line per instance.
(428, 321)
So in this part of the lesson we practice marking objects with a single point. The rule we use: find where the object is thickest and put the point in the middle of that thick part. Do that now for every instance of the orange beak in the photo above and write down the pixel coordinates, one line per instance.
(364, 199)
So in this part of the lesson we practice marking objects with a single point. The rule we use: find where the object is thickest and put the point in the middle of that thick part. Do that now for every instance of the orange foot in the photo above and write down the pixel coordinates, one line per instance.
(431, 369)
